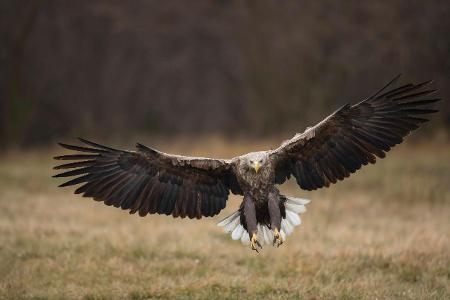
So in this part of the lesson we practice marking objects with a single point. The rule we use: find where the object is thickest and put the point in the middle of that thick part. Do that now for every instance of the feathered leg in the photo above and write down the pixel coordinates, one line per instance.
(251, 222)
(275, 217)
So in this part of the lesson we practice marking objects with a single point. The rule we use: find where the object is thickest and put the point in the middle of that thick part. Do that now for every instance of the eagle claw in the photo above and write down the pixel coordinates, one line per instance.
(277, 239)
(255, 243)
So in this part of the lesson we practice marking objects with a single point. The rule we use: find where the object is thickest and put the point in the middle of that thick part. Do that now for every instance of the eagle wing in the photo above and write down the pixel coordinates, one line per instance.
(149, 181)
(353, 136)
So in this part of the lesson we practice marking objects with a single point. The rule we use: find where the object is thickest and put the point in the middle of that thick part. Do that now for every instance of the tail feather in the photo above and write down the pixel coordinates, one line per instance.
(238, 232)
(294, 207)
(230, 222)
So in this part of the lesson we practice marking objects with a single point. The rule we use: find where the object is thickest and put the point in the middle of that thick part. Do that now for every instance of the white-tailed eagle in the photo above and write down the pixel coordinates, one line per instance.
(148, 181)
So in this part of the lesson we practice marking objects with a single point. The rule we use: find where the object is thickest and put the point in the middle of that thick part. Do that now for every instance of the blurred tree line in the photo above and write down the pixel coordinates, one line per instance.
(113, 68)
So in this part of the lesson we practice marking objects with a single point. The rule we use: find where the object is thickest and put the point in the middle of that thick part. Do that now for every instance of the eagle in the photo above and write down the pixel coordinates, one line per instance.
(148, 181)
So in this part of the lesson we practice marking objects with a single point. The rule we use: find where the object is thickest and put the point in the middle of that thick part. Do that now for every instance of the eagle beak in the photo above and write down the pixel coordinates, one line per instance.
(256, 166)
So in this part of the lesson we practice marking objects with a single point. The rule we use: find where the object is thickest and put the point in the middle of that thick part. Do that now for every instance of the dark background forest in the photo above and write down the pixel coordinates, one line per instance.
(112, 69)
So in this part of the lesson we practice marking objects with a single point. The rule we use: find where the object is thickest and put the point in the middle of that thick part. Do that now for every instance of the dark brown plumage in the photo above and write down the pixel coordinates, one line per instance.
(354, 136)
(149, 181)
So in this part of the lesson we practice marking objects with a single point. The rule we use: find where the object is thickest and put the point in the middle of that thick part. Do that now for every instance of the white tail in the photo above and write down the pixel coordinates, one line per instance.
(294, 207)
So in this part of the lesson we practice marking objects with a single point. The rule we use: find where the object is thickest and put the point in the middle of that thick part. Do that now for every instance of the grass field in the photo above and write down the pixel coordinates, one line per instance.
(382, 234)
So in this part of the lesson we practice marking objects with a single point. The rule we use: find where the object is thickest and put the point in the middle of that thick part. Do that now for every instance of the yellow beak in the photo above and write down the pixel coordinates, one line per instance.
(256, 166)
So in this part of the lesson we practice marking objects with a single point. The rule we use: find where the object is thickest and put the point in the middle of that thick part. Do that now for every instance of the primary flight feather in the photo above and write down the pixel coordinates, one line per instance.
(148, 181)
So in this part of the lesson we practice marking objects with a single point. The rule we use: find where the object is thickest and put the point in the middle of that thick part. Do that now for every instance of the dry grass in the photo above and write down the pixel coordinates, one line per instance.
(381, 234)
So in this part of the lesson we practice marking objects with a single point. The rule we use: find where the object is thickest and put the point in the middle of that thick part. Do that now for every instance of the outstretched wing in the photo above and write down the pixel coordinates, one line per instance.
(149, 181)
(353, 136)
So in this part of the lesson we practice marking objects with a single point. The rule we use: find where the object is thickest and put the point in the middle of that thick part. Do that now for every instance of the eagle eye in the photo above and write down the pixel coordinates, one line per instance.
(260, 161)
(251, 161)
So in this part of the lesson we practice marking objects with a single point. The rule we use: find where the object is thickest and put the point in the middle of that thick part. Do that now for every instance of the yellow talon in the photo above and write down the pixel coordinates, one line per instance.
(255, 243)
(277, 238)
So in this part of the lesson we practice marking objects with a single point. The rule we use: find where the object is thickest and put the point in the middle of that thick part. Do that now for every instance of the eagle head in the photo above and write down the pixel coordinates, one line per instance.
(256, 160)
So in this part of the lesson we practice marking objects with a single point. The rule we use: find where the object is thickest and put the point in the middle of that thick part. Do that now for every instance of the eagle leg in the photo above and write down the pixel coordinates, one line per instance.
(275, 217)
(251, 223)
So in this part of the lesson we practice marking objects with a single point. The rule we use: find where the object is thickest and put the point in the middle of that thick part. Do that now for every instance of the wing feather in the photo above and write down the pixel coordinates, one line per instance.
(149, 181)
(353, 136)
